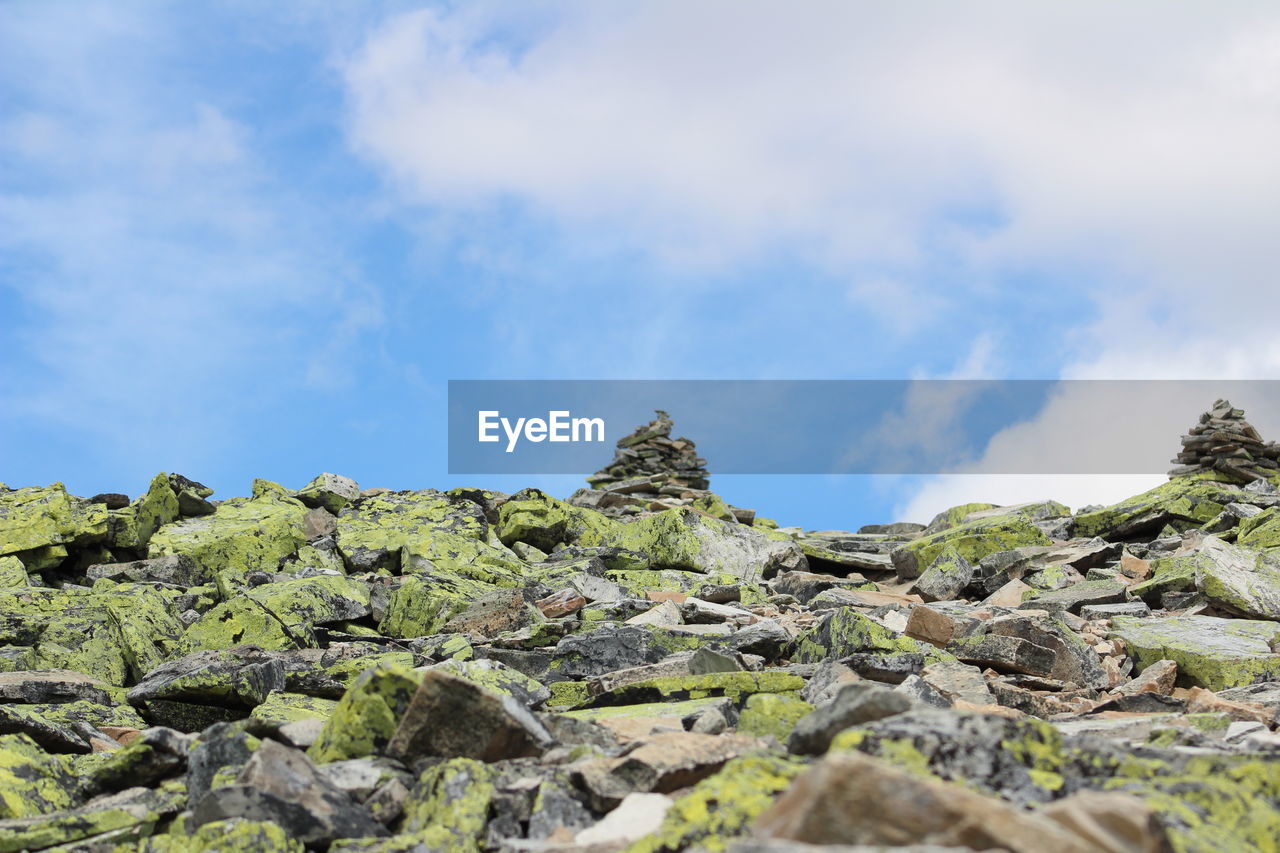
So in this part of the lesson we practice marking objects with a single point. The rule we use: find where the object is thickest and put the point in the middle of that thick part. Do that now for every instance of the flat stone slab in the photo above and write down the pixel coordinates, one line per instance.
(1210, 652)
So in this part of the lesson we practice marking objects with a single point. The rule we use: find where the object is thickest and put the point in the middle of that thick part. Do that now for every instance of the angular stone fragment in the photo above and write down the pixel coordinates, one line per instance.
(281, 785)
(849, 798)
(177, 569)
(662, 763)
(1158, 677)
(237, 677)
(958, 682)
(42, 686)
(1074, 597)
(330, 491)
(853, 705)
(946, 577)
(33, 782)
(37, 517)
(452, 717)
(635, 817)
(1006, 654)
(367, 715)
(846, 632)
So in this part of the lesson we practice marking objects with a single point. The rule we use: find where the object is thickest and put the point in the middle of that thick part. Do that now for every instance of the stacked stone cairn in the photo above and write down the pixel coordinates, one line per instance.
(652, 472)
(353, 670)
(1225, 443)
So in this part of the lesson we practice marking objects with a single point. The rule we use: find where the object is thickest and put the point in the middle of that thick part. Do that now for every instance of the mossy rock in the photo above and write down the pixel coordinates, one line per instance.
(133, 526)
(41, 516)
(846, 632)
(448, 808)
(33, 782)
(735, 685)
(243, 535)
(971, 541)
(300, 603)
(1184, 500)
(238, 622)
(1210, 652)
(373, 531)
(12, 573)
(280, 708)
(955, 515)
(367, 715)
(234, 836)
(721, 807)
(1261, 531)
(773, 714)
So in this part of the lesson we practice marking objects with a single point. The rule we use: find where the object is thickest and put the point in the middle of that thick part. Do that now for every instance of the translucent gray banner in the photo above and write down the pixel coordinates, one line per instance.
(866, 426)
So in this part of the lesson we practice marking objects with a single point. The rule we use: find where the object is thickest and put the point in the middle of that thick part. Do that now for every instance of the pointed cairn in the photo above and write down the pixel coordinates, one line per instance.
(1225, 442)
(650, 472)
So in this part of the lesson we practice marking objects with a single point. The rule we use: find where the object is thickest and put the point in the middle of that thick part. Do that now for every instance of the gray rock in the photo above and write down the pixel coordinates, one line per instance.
(1110, 611)
(1073, 598)
(240, 678)
(853, 705)
(38, 687)
(281, 785)
(946, 577)
(1005, 654)
(452, 717)
(177, 569)
(1238, 580)
(330, 491)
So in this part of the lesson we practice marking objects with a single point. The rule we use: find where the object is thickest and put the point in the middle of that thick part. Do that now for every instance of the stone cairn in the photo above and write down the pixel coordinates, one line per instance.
(650, 472)
(1224, 442)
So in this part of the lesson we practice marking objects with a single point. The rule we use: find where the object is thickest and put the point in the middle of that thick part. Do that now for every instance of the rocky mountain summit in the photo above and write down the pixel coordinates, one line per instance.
(1223, 441)
(340, 669)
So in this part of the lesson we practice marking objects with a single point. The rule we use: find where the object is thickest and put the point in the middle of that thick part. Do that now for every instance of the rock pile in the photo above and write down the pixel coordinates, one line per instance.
(1223, 442)
(651, 472)
(362, 670)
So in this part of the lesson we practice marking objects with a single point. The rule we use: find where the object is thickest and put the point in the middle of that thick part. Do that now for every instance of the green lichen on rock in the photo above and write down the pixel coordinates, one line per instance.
(956, 515)
(678, 708)
(134, 525)
(1168, 574)
(848, 632)
(1211, 803)
(568, 694)
(134, 809)
(33, 782)
(1261, 531)
(238, 622)
(972, 541)
(303, 602)
(367, 715)
(374, 531)
(735, 685)
(12, 573)
(773, 714)
(1182, 501)
(234, 836)
(721, 807)
(448, 808)
(41, 516)
(243, 535)
(281, 708)
(418, 608)
(537, 519)
(1210, 652)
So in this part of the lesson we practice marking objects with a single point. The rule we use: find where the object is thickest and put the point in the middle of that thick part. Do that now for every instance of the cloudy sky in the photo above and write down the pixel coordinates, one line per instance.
(242, 239)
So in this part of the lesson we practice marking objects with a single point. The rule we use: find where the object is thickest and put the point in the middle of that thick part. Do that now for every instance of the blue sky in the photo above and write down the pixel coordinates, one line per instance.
(242, 239)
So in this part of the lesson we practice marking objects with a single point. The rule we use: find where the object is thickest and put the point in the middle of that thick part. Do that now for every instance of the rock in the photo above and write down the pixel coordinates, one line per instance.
(772, 715)
(1158, 677)
(853, 705)
(1109, 823)
(239, 678)
(177, 569)
(40, 687)
(846, 632)
(1109, 611)
(970, 541)
(705, 661)
(1209, 652)
(33, 782)
(493, 613)
(453, 717)
(935, 627)
(136, 810)
(635, 817)
(329, 491)
(1237, 580)
(1077, 596)
(947, 575)
(853, 799)
(957, 681)
(661, 763)
(281, 785)
(1006, 654)
(368, 714)
(38, 517)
